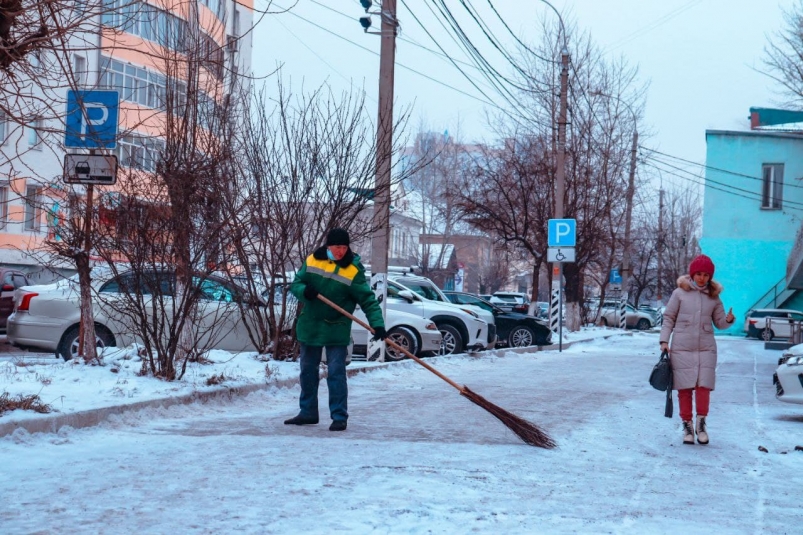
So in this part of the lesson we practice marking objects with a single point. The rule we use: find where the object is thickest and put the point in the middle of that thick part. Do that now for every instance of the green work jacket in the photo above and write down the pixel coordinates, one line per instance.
(342, 282)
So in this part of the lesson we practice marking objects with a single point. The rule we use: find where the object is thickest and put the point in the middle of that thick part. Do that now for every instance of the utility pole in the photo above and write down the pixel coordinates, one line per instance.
(560, 175)
(384, 149)
(660, 242)
(628, 222)
(556, 302)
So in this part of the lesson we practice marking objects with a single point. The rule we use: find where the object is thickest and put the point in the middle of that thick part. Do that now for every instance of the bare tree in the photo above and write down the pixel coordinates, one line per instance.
(784, 55)
(308, 167)
(597, 155)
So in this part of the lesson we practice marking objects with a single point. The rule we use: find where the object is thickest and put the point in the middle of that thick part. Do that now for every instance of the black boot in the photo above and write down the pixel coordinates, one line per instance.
(301, 420)
(338, 425)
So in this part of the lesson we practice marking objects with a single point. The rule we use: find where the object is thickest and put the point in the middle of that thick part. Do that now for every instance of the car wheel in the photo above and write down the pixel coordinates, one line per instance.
(68, 346)
(521, 336)
(604, 322)
(452, 340)
(643, 324)
(403, 337)
(767, 334)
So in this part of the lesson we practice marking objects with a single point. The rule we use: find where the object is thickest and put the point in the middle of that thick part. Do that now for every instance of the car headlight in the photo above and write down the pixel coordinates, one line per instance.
(467, 311)
(431, 327)
(795, 361)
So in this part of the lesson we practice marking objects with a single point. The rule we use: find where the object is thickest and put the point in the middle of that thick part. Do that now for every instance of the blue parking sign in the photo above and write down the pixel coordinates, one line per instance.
(92, 118)
(561, 233)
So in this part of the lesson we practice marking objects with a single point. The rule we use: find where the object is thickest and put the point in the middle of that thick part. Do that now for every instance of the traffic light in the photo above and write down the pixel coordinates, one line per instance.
(366, 4)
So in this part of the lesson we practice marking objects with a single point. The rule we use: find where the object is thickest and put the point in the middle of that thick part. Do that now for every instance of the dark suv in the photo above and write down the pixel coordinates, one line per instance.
(10, 280)
(512, 328)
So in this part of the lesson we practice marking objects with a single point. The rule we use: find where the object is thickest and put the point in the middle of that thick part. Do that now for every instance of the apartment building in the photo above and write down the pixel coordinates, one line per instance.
(132, 47)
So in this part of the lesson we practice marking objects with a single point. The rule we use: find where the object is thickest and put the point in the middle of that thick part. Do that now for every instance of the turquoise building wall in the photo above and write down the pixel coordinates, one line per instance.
(750, 245)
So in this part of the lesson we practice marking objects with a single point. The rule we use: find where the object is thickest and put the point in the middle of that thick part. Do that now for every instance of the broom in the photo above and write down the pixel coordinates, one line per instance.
(527, 431)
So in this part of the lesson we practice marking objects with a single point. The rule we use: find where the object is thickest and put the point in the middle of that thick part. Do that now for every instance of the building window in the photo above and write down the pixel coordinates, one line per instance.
(34, 134)
(33, 208)
(772, 186)
(139, 152)
(3, 205)
(146, 21)
(79, 70)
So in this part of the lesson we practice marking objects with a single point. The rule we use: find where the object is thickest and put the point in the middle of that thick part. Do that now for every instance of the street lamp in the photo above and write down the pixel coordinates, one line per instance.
(628, 206)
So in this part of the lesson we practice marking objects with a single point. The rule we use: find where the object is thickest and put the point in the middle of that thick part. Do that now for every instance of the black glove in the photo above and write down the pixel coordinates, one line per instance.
(379, 334)
(310, 293)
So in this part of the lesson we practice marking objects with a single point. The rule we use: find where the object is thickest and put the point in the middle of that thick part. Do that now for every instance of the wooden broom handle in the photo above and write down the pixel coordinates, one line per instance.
(390, 342)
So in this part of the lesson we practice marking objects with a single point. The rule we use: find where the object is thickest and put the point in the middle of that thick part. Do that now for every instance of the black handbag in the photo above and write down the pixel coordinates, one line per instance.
(661, 379)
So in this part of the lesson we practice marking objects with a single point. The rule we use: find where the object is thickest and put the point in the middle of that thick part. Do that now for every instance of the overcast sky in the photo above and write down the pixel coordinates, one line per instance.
(700, 57)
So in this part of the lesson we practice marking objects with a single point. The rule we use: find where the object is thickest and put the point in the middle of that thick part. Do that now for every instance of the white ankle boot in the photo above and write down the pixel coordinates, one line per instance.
(702, 431)
(688, 432)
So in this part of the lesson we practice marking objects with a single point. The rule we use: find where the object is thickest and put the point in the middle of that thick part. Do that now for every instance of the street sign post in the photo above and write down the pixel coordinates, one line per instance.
(92, 118)
(90, 169)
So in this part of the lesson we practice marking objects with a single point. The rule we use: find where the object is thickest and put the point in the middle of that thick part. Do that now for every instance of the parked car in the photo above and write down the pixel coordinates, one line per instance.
(634, 319)
(416, 334)
(788, 376)
(769, 323)
(47, 316)
(460, 328)
(427, 291)
(511, 301)
(512, 328)
(654, 312)
(542, 309)
(10, 280)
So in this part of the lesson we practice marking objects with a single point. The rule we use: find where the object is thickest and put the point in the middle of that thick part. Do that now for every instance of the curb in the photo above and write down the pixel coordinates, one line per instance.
(52, 423)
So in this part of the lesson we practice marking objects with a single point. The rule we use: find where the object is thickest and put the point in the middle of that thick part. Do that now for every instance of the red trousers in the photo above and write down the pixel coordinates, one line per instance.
(702, 398)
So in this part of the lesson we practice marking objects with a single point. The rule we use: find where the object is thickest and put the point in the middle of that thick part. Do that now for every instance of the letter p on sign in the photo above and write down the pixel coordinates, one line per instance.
(562, 233)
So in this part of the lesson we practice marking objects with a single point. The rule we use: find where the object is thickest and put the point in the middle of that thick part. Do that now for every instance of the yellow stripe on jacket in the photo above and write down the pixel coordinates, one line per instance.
(330, 270)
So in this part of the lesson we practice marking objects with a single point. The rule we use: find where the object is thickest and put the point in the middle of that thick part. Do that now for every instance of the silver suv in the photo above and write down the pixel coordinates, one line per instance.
(769, 323)
(462, 327)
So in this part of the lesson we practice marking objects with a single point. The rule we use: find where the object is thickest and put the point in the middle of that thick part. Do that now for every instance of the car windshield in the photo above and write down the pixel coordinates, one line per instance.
(471, 300)
(423, 289)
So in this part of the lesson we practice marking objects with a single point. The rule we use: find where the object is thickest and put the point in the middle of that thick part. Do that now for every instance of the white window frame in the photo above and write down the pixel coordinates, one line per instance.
(34, 133)
(5, 187)
(33, 208)
(772, 186)
(80, 70)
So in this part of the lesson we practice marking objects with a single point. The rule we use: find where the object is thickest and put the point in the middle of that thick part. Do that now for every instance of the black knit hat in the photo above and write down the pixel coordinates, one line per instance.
(337, 236)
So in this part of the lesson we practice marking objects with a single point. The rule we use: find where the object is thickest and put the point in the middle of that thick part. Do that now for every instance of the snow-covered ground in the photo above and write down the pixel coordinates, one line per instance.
(417, 457)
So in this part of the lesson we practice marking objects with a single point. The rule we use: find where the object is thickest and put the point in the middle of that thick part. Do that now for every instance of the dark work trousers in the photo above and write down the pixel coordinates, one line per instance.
(335, 380)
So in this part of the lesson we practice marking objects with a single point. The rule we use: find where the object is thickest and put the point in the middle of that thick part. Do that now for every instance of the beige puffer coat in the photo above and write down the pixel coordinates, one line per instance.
(689, 317)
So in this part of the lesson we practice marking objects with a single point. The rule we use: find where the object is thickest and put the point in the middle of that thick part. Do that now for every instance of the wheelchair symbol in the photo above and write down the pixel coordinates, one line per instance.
(560, 256)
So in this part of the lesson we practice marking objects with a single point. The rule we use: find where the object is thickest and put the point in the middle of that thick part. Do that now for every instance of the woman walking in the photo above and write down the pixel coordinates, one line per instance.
(691, 314)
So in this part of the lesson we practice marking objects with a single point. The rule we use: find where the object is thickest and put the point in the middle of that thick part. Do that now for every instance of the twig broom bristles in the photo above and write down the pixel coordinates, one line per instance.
(527, 431)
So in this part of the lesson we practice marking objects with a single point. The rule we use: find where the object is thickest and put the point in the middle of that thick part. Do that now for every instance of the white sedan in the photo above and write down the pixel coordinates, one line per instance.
(788, 378)
(48, 316)
(414, 333)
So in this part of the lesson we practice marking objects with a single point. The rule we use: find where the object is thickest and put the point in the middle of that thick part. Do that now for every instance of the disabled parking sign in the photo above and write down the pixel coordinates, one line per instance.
(92, 118)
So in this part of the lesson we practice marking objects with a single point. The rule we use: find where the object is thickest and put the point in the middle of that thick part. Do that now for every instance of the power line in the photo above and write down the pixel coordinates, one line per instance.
(486, 102)
(708, 167)
(719, 186)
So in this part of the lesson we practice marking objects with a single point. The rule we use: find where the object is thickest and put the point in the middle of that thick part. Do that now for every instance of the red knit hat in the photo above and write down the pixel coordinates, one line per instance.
(702, 263)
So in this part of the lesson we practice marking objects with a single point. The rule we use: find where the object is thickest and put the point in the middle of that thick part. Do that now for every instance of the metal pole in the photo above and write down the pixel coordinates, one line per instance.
(560, 174)
(384, 149)
(660, 241)
(560, 185)
(628, 221)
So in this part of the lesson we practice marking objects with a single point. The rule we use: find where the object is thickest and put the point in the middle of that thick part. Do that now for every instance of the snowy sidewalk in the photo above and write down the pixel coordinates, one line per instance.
(419, 458)
(83, 396)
